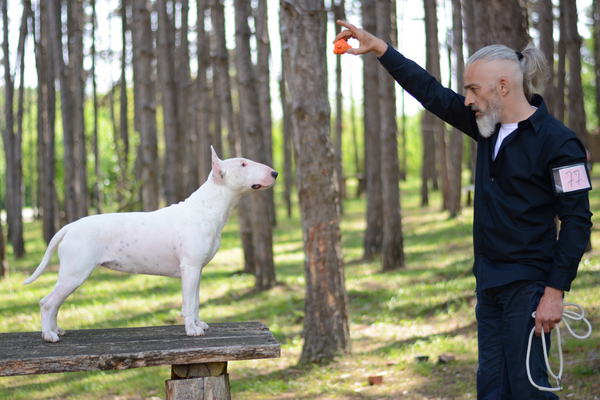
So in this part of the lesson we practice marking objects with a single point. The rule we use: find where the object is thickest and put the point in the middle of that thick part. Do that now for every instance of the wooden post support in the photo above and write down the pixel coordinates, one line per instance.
(209, 381)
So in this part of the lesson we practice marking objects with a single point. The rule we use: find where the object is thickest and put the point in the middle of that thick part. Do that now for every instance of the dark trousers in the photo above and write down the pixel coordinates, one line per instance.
(504, 323)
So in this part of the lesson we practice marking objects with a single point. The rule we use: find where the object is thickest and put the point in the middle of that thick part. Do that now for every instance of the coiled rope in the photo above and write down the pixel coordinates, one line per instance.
(567, 315)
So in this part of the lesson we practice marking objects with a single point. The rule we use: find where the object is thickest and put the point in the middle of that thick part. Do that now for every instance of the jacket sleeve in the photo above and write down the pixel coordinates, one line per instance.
(573, 211)
(443, 102)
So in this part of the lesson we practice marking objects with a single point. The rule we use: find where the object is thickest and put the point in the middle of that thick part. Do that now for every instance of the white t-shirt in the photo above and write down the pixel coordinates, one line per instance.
(505, 130)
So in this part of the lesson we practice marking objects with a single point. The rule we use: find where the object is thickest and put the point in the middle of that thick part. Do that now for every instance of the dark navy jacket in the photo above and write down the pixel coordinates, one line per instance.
(514, 233)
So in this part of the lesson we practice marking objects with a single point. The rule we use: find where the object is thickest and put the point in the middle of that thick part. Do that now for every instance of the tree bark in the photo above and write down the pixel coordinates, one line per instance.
(326, 331)
(174, 187)
(392, 247)
(98, 192)
(559, 106)
(576, 112)
(456, 139)
(263, 45)
(217, 14)
(339, 13)
(12, 142)
(255, 149)
(373, 240)
(66, 104)
(203, 98)
(286, 106)
(123, 142)
(78, 79)
(144, 58)
(546, 29)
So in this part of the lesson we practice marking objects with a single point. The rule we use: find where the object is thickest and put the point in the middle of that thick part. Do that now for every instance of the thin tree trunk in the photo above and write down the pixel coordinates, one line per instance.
(546, 29)
(217, 15)
(339, 13)
(173, 137)
(66, 105)
(144, 45)
(123, 143)
(288, 177)
(203, 101)
(78, 80)
(439, 130)
(12, 143)
(326, 331)
(264, 92)
(373, 240)
(392, 247)
(576, 110)
(99, 181)
(471, 38)
(255, 148)
(559, 106)
(456, 138)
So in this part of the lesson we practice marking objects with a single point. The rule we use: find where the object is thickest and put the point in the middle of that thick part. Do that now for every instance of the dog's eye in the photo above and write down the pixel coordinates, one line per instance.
(243, 164)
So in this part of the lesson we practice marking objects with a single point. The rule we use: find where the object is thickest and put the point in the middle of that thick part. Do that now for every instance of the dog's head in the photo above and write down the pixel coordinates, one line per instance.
(241, 175)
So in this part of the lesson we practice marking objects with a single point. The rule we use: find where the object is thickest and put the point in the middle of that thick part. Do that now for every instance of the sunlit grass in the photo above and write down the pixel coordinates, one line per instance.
(425, 309)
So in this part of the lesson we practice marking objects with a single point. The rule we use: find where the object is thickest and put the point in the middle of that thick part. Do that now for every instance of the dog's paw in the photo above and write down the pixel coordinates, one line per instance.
(194, 331)
(50, 336)
(60, 331)
(202, 325)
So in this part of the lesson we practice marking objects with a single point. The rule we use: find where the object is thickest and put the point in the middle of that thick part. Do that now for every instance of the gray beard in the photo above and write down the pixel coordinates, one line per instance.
(487, 124)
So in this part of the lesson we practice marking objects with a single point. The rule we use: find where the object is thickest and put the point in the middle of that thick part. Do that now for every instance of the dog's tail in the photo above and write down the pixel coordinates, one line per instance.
(48, 255)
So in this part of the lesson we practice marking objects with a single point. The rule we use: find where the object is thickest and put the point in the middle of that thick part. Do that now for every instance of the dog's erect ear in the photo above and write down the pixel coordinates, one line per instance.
(218, 172)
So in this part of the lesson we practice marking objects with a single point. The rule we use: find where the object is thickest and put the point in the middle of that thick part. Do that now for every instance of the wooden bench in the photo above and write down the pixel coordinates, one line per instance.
(198, 364)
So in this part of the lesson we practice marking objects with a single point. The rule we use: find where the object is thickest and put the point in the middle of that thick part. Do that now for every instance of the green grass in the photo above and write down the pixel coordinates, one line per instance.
(426, 309)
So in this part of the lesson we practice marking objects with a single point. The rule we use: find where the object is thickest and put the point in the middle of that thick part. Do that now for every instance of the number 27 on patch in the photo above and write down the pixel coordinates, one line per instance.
(570, 178)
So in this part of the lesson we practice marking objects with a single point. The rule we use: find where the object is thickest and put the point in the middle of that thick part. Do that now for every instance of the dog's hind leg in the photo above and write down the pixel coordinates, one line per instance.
(190, 282)
(49, 305)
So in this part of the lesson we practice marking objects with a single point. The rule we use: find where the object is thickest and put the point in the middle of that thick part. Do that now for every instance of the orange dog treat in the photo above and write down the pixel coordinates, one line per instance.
(341, 46)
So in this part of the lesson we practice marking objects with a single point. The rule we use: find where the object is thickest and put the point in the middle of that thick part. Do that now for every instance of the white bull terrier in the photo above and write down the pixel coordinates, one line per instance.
(176, 241)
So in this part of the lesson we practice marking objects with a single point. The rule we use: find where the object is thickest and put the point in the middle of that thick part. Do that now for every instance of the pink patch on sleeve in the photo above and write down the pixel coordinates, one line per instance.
(574, 178)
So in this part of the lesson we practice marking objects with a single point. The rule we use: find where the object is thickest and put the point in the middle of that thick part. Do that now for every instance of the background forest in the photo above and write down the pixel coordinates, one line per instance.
(112, 105)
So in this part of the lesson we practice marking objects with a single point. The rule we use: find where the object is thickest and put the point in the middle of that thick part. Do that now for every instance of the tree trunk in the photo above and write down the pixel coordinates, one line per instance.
(576, 112)
(373, 241)
(326, 320)
(546, 29)
(78, 80)
(203, 98)
(500, 22)
(217, 14)
(66, 105)
(46, 125)
(123, 143)
(471, 38)
(12, 144)
(392, 248)
(286, 106)
(264, 93)
(559, 106)
(175, 190)
(255, 149)
(433, 67)
(456, 139)
(596, 33)
(144, 51)
(339, 13)
(99, 181)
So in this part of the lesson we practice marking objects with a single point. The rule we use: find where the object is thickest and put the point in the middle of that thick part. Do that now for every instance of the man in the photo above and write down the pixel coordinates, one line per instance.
(526, 162)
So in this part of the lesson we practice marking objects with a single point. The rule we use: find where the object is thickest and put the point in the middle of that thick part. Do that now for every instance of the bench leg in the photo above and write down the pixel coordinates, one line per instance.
(198, 382)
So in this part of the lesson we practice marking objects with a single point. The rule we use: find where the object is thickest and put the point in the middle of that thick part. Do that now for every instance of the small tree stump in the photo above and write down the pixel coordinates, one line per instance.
(198, 382)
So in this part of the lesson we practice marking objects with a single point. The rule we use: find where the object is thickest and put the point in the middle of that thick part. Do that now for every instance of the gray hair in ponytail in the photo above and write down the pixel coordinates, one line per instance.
(531, 60)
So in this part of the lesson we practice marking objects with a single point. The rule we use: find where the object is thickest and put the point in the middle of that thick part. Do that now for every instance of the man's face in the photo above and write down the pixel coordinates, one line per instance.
(482, 97)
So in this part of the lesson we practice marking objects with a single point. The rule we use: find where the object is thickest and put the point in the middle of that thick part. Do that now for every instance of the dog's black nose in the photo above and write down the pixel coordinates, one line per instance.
(274, 174)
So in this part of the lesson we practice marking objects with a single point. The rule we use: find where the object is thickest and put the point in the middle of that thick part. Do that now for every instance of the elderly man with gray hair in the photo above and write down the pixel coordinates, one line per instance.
(530, 169)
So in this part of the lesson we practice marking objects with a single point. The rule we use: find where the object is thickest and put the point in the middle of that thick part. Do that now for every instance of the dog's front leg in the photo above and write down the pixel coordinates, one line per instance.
(190, 283)
(201, 324)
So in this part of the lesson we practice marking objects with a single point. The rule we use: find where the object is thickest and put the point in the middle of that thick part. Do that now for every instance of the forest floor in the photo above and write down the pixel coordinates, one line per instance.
(425, 309)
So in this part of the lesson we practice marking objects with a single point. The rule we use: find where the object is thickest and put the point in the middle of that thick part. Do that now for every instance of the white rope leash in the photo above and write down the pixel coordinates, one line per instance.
(567, 314)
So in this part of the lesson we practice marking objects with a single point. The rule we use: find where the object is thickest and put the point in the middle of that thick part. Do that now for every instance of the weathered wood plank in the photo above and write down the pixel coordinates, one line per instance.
(213, 388)
(25, 353)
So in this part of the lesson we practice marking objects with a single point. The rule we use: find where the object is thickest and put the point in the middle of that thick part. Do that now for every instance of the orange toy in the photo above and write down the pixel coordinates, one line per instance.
(341, 46)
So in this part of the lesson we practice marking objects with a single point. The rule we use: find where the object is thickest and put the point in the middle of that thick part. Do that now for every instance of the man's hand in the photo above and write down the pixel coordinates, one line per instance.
(549, 311)
(367, 41)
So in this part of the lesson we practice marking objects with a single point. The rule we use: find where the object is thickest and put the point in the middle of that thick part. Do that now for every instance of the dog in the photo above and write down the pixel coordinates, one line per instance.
(175, 241)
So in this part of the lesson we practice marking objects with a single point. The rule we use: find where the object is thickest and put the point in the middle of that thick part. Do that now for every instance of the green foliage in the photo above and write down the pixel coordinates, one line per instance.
(426, 309)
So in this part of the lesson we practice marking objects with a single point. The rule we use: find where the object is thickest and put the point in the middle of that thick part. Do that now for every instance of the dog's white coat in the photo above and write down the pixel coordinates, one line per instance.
(176, 241)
